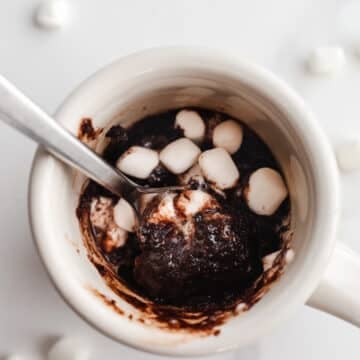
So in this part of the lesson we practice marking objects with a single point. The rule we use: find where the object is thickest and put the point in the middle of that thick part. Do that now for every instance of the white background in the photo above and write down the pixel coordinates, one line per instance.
(47, 65)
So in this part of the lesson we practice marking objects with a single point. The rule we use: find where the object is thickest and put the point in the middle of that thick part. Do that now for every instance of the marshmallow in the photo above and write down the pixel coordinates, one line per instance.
(326, 60)
(179, 155)
(138, 162)
(348, 155)
(219, 168)
(100, 212)
(193, 173)
(191, 202)
(192, 124)
(228, 135)
(289, 256)
(265, 192)
(144, 201)
(166, 210)
(52, 14)
(125, 216)
(242, 307)
(269, 260)
(69, 349)
(116, 237)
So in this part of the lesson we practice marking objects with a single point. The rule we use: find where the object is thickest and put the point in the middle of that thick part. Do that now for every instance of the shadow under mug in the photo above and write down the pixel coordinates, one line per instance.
(156, 80)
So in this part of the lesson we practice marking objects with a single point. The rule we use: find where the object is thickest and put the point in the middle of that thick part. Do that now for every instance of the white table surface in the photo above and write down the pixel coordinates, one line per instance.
(278, 34)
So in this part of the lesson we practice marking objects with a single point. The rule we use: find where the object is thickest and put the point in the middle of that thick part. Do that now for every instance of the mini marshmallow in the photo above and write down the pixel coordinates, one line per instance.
(265, 192)
(193, 173)
(219, 168)
(138, 161)
(125, 216)
(348, 155)
(52, 14)
(116, 237)
(268, 260)
(69, 349)
(228, 135)
(289, 256)
(191, 202)
(179, 155)
(242, 307)
(326, 60)
(166, 210)
(192, 124)
(144, 201)
(100, 212)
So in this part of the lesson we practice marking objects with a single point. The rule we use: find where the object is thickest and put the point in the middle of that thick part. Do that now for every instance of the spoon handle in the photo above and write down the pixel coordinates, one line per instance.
(21, 113)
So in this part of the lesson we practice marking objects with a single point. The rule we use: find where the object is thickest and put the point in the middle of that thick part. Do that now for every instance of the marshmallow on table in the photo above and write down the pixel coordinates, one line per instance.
(228, 135)
(138, 161)
(125, 216)
(69, 349)
(265, 192)
(348, 155)
(52, 14)
(191, 123)
(219, 168)
(326, 60)
(179, 155)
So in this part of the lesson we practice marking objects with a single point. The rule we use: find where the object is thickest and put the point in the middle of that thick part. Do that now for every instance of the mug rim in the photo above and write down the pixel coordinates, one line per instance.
(323, 157)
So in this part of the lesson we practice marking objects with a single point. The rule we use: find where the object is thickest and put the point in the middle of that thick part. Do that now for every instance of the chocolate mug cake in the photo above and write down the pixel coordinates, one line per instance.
(214, 247)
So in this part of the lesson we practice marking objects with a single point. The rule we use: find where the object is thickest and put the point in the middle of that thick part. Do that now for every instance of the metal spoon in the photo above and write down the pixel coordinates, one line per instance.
(21, 113)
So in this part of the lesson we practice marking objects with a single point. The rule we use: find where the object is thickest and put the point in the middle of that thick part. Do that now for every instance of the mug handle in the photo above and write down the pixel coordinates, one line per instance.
(339, 291)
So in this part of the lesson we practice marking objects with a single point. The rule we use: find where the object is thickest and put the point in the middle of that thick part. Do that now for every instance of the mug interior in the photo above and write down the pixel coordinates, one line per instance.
(148, 84)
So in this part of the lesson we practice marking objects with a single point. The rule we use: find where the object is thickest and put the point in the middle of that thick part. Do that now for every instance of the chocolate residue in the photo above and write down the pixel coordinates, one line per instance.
(111, 303)
(199, 313)
(87, 131)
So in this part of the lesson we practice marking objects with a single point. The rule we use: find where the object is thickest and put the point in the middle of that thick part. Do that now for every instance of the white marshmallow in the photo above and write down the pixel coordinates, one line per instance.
(289, 256)
(192, 124)
(179, 155)
(228, 135)
(144, 200)
(69, 349)
(191, 202)
(125, 216)
(100, 212)
(52, 14)
(116, 237)
(193, 173)
(166, 210)
(138, 161)
(326, 60)
(242, 307)
(268, 260)
(219, 168)
(266, 191)
(348, 155)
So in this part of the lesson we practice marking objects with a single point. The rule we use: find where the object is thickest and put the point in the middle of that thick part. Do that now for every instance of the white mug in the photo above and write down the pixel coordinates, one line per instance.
(155, 80)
